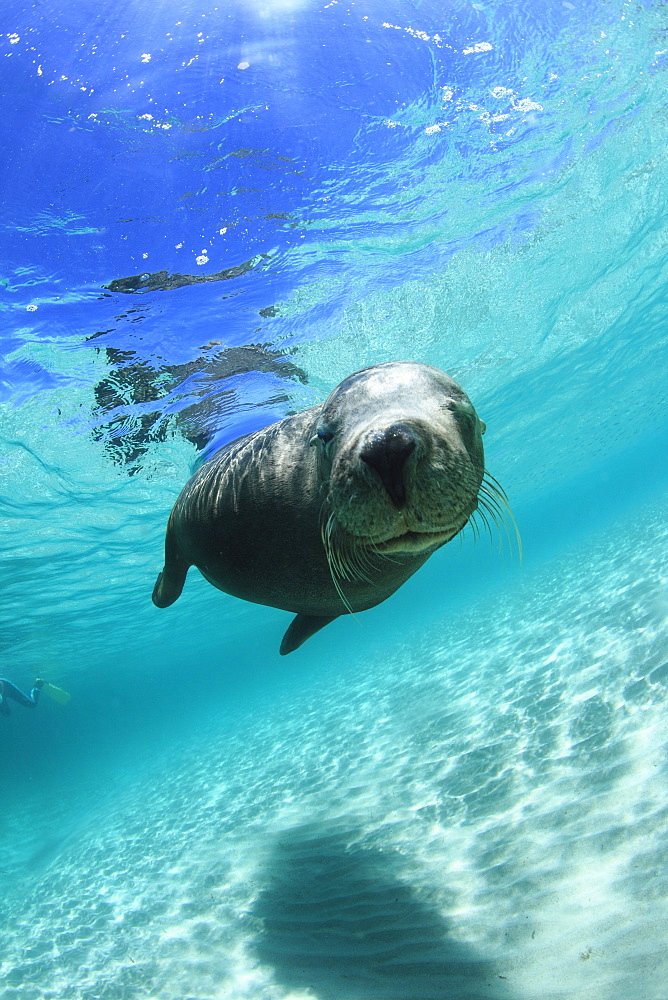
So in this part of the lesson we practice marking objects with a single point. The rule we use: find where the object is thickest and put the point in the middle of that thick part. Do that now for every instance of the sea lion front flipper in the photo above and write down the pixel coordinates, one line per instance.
(301, 628)
(170, 582)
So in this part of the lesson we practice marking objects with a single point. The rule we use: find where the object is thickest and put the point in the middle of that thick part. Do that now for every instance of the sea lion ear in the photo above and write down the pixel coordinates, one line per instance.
(483, 425)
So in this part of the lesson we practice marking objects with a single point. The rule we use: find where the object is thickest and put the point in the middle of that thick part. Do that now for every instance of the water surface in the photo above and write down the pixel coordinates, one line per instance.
(211, 216)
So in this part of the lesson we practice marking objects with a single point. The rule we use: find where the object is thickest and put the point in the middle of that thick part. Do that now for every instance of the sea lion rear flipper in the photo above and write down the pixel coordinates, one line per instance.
(301, 628)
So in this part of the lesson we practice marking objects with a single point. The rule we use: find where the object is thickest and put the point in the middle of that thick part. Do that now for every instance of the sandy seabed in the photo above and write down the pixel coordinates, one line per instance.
(483, 815)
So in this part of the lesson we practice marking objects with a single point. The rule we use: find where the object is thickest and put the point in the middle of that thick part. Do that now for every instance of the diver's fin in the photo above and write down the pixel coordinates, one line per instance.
(302, 628)
(170, 582)
(56, 693)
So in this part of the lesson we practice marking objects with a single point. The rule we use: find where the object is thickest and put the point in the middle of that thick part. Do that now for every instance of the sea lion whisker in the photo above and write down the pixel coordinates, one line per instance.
(360, 574)
(500, 524)
(494, 498)
(332, 560)
(346, 603)
(494, 484)
(502, 498)
(360, 560)
(482, 513)
(488, 505)
(366, 554)
(492, 512)
(475, 530)
(344, 555)
(488, 491)
(349, 555)
(346, 571)
(355, 566)
(477, 522)
(387, 556)
(491, 503)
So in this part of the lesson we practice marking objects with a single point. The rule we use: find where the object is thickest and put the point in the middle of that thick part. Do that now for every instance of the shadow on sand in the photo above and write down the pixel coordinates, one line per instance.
(338, 920)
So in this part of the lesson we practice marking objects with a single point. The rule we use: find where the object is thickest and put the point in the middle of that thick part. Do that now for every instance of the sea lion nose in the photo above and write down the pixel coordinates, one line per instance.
(387, 452)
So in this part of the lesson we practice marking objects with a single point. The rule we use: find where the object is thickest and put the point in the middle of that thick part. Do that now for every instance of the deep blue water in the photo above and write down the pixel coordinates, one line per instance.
(211, 215)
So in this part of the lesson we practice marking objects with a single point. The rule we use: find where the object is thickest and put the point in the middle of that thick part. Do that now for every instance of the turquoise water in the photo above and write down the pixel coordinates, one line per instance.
(465, 793)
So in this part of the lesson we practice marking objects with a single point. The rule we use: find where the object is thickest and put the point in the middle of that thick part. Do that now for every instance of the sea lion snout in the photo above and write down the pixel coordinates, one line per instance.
(412, 474)
(386, 452)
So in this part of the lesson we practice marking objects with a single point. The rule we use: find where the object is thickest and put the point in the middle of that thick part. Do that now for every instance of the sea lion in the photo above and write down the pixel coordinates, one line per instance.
(329, 511)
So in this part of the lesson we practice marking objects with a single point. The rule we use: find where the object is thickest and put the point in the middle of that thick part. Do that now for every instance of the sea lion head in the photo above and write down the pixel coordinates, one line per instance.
(400, 453)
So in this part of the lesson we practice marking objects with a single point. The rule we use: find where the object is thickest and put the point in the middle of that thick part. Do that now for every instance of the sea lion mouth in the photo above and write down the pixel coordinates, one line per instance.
(416, 541)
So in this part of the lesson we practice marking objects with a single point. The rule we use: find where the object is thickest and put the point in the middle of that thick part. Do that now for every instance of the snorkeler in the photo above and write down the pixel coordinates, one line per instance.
(9, 690)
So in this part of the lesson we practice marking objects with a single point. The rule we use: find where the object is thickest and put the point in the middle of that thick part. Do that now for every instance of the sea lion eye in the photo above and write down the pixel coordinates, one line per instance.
(323, 435)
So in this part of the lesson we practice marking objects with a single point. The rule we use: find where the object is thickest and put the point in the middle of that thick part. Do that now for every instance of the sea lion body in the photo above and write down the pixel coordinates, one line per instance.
(333, 509)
